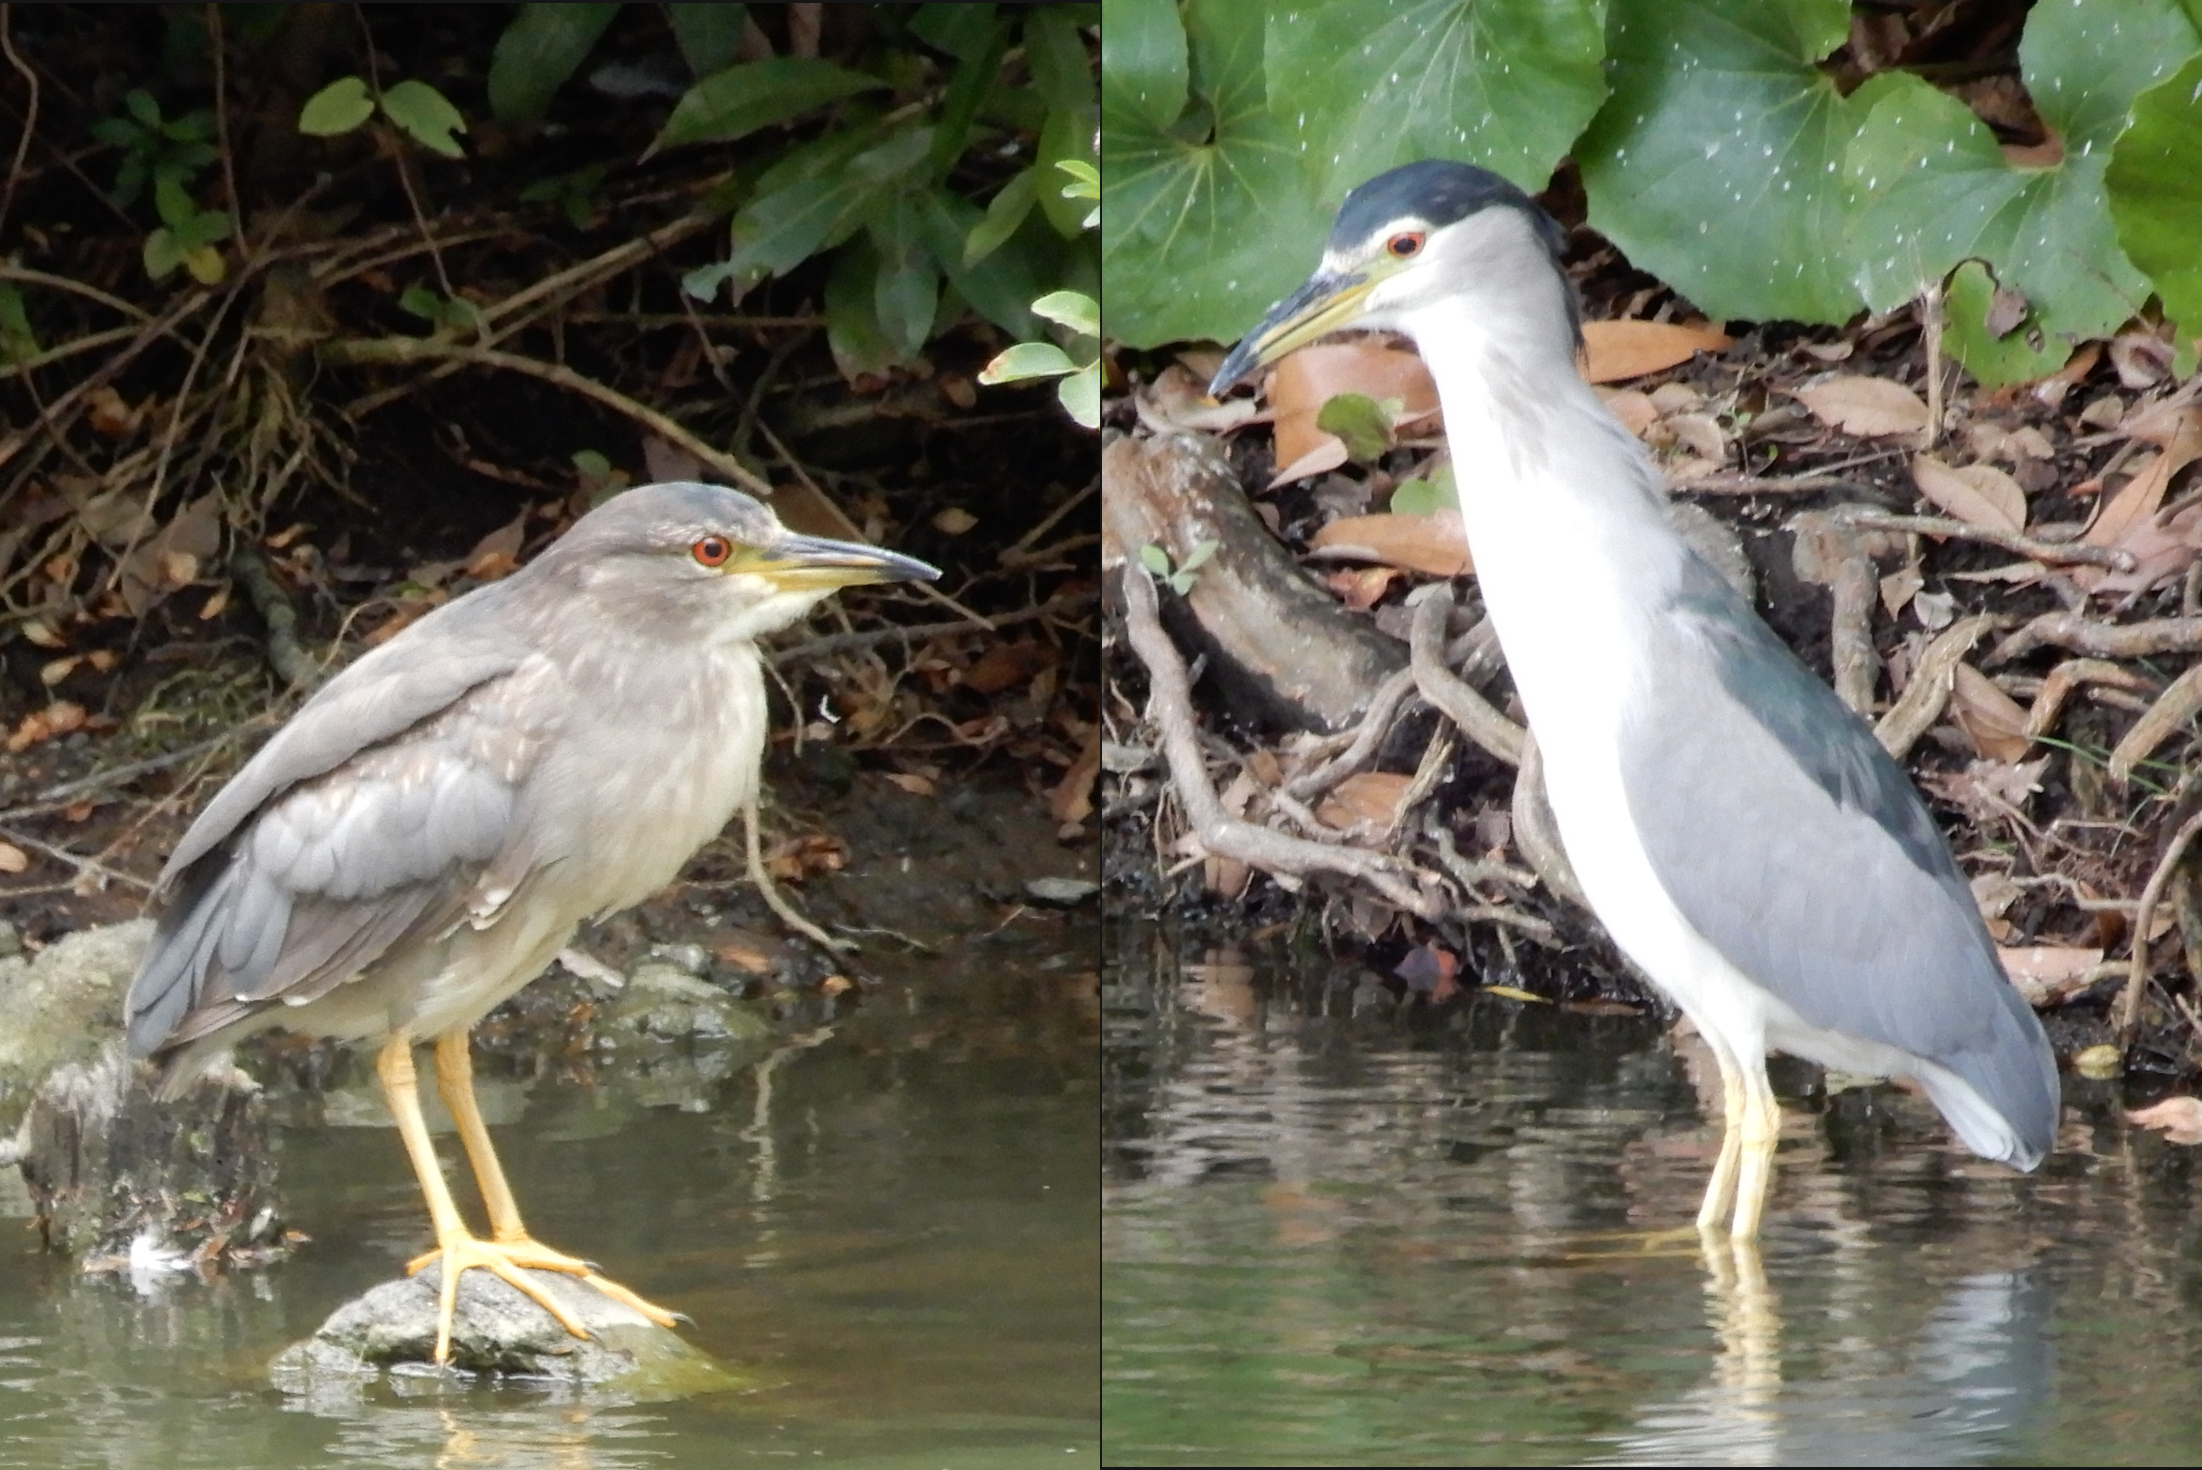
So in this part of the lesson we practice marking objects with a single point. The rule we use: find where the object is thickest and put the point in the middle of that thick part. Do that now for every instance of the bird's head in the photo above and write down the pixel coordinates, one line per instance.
(1421, 238)
(687, 555)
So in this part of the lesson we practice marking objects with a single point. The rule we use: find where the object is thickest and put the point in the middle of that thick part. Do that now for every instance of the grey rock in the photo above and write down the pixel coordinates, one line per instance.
(1060, 893)
(664, 1002)
(693, 958)
(499, 1330)
(60, 1006)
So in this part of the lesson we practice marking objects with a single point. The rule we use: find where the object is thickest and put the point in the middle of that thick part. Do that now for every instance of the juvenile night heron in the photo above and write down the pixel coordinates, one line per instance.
(1740, 832)
(427, 831)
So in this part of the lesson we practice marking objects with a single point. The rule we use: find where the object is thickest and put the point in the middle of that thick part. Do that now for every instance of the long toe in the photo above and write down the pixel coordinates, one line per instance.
(507, 1261)
(621, 1294)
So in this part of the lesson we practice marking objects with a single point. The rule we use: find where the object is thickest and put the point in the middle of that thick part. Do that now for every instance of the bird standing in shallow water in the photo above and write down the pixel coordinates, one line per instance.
(1742, 835)
(431, 826)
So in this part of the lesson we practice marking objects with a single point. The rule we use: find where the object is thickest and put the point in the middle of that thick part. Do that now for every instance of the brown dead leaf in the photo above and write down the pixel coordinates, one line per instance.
(1072, 799)
(56, 719)
(2050, 391)
(13, 859)
(1613, 351)
(1431, 971)
(747, 951)
(2142, 359)
(2049, 974)
(53, 671)
(497, 555)
(216, 604)
(1702, 435)
(1991, 719)
(109, 414)
(1006, 665)
(1362, 588)
(1311, 377)
(1366, 796)
(1634, 409)
(798, 857)
(1326, 456)
(1435, 545)
(1178, 402)
(915, 784)
(2178, 1118)
(2176, 429)
(1977, 494)
(1872, 408)
(954, 521)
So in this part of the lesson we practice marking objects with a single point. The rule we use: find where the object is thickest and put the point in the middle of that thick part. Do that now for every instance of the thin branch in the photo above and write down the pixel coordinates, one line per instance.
(30, 111)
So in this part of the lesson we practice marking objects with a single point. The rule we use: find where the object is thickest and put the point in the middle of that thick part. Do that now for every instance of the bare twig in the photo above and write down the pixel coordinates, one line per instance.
(1928, 693)
(1170, 705)
(2129, 999)
(1446, 691)
(2054, 552)
(2079, 634)
(30, 109)
(1374, 726)
(297, 668)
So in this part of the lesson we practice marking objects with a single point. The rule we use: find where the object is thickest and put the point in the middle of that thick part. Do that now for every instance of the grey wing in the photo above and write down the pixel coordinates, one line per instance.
(405, 839)
(1803, 853)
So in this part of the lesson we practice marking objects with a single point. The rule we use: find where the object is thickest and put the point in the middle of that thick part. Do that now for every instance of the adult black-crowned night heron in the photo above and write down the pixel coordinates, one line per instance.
(427, 831)
(1740, 832)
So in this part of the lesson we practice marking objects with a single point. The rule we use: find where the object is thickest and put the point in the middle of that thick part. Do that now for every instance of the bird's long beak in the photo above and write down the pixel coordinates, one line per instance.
(805, 562)
(1325, 303)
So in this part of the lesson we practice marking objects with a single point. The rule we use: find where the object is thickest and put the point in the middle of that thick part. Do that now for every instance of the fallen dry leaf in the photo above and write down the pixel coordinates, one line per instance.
(954, 521)
(13, 859)
(1872, 408)
(1311, 377)
(56, 719)
(1435, 545)
(1977, 494)
(1991, 719)
(2049, 974)
(1178, 401)
(2178, 1118)
(916, 785)
(1366, 796)
(798, 857)
(1701, 434)
(1362, 588)
(1071, 800)
(1613, 351)
(1634, 409)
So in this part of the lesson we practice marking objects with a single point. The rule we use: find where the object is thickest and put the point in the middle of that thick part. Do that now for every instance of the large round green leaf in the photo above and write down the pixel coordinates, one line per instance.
(1370, 84)
(1206, 214)
(2155, 187)
(1932, 186)
(1716, 164)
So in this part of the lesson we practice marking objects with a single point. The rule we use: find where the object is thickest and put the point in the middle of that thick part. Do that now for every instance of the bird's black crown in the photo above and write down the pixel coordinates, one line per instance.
(1440, 192)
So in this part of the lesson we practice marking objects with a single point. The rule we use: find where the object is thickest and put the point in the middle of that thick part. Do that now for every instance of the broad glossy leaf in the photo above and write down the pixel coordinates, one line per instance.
(1080, 395)
(543, 47)
(780, 230)
(2155, 188)
(708, 35)
(1004, 213)
(1716, 164)
(859, 348)
(1073, 309)
(426, 115)
(756, 94)
(337, 108)
(906, 292)
(1933, 186)
(1027, 360)
(2018, 356)
(1000, 287)
(1207, 216)
(1368, 84)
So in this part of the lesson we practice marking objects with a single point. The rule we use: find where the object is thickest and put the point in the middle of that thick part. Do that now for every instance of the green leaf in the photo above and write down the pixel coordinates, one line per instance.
(907, 292)
(18, 342)
(779, 231)
(1198, 556)
(1080, 394)
(860, 349)
(337, 108)
(2019, 355)
(200, 229)
(741, 99)
(539, 51)
(962, 31)
(1085, 179)
(1426, 497)
(421, 302)
(1716, 164)
(708, 35)
(1933, 186)
(117, 132)
(1207, 216)
(1027, 360)
(1068, 136)
(171, 200)
(425, 115)
(2155, 186)
(1056, 54)
(1155, 559)
(1073, 309)
(1508, 84)
(1004, 212)
(161, 254)
(143, 107)
(1000, 287)
(1360, 421)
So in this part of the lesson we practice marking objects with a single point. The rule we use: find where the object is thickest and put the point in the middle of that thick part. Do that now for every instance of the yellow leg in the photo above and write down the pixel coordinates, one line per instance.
(458, 1250)
(1720, 1190)
(1761, 1131)
(455, 1080)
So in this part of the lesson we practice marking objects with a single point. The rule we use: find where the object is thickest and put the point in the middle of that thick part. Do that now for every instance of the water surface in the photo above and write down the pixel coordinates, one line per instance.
(1337, 1230)
(885, 1222)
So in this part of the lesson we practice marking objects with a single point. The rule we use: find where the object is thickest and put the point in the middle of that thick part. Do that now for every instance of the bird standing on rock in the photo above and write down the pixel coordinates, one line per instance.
(432, 825)
(1741, 833)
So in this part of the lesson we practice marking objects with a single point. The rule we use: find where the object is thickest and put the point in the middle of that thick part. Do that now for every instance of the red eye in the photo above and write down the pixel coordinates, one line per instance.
(1404, 245)
(712, 551)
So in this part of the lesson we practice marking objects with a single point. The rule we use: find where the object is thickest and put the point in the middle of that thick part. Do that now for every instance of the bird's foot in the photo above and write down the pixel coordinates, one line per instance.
(504, 1257)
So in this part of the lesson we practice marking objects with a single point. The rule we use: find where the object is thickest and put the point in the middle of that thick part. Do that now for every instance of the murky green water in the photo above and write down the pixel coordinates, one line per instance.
(1335, 1232)
(897, 1245)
